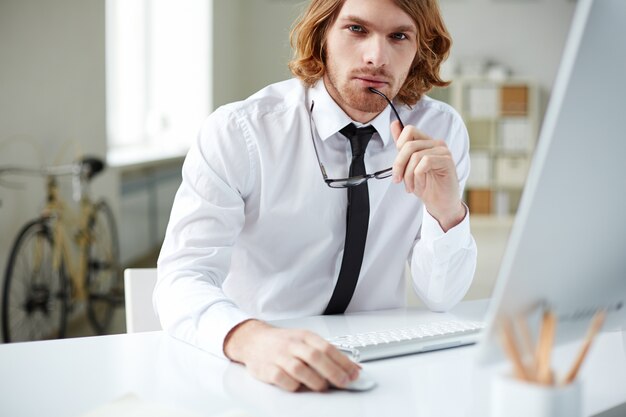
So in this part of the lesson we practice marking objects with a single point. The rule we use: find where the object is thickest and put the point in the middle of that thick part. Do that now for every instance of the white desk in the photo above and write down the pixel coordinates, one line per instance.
(70, 377)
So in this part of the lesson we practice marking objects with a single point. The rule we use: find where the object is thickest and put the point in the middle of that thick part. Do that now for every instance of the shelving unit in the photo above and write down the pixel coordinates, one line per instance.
(502, 118)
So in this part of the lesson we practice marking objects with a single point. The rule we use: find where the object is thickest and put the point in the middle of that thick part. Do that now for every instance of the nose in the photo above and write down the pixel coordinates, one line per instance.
(376, 52)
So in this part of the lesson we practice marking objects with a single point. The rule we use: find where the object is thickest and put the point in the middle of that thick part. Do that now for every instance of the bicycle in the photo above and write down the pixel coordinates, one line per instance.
(44, 278)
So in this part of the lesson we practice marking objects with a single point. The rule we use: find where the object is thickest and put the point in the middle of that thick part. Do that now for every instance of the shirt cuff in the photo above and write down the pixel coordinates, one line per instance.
(445, 244)
(214, 327)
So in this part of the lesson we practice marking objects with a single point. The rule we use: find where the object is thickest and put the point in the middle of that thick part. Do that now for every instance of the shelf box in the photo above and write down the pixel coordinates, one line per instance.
(502, 118)
(506, 202)
(480, 172)
(511, 171)
(479, 201)
(502, 203)
(483, 101)
(514, 100)
(514, 134)
(481, 133)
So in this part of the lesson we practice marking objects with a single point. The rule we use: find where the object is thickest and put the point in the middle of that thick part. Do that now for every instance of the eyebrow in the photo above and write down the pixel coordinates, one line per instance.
(360, 21)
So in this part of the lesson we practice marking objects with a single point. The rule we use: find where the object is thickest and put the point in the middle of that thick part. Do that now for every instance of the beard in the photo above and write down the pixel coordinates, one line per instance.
(348, 93)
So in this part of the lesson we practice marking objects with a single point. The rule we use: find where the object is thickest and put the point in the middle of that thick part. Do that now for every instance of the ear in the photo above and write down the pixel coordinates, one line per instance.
(396, 129)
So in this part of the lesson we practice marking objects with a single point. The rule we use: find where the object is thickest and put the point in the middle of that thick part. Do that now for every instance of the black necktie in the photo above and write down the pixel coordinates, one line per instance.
(357, 222)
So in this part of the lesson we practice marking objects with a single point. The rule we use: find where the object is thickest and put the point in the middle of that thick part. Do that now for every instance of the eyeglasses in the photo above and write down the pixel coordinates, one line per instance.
(358, 179)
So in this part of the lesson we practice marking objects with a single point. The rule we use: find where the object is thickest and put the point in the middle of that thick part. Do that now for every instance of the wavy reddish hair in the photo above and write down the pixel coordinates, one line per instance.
(308, 39)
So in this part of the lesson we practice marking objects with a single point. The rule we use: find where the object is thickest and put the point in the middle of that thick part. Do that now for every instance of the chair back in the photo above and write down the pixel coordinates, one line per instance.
(138, 287)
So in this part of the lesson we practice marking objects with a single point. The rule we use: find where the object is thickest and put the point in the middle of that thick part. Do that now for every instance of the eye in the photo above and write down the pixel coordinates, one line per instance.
(399, 36)
(356, 28)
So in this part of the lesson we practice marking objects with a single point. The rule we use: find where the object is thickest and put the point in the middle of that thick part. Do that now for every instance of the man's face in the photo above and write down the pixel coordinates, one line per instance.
(372, 43)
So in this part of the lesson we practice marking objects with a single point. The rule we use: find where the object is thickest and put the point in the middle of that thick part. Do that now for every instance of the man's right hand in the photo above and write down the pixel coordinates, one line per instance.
(289, 358)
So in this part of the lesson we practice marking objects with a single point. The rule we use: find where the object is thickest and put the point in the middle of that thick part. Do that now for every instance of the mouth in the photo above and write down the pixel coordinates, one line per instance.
(368, 81)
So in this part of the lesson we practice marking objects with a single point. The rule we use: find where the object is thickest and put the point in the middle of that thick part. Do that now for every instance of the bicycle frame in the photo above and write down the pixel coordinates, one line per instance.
(57, 213)
(45, 261)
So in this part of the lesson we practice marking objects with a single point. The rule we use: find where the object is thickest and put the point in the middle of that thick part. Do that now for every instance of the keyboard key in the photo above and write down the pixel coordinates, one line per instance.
(397, 342)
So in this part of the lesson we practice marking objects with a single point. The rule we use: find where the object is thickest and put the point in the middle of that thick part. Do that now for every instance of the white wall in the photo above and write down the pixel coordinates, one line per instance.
(526, 35)
(51, 94)
(252, 45)
(227, 51)
(266, 49)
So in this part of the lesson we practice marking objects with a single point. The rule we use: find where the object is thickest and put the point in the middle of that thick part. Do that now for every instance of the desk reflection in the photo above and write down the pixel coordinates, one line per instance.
(433, 384)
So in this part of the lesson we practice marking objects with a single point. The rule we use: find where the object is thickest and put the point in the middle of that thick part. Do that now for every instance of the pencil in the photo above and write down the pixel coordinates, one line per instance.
(596, 324)
(510, 348)
(544, 348)
(527, 344)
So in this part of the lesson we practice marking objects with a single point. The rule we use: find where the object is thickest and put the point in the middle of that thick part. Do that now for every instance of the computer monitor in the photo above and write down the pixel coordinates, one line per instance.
(567, 248)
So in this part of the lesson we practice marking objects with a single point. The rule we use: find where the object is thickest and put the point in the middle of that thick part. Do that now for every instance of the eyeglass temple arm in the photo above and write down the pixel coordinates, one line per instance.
(317, 155)
(375, 91)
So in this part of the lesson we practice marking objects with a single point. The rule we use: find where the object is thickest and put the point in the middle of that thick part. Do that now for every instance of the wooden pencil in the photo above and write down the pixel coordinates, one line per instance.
(596, 324)
(511, 349)
(527, 345)
(544, 348)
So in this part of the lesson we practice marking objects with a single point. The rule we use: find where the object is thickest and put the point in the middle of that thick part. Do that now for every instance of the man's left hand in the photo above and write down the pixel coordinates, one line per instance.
(428, 171)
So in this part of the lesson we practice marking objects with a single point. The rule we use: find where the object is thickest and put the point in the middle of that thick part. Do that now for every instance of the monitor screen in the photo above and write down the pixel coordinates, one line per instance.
(567, 249)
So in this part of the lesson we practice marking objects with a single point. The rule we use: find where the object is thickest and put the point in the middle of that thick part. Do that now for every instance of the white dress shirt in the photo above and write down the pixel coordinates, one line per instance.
(256, 233)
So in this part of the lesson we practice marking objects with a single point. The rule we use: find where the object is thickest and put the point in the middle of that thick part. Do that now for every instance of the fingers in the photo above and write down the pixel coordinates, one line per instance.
(396, 129)
(331, 364)
(421, 163)
(409, 142)
(408, 134)
(291, 359)
(439, 164)
(318, 363)
(298, 372)
(413, 146)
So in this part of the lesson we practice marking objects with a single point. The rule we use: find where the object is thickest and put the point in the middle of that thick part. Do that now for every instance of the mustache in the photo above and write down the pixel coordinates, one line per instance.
(378, 73)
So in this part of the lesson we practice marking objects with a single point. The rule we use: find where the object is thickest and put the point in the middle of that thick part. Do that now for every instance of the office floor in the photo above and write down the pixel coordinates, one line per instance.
(490, 233)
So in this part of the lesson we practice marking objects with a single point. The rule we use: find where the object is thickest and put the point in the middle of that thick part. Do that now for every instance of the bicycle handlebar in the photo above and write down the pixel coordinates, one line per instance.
(55, 171)
(81, 171)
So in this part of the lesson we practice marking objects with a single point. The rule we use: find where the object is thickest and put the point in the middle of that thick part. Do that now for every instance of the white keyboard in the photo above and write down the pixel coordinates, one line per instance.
(362, 347)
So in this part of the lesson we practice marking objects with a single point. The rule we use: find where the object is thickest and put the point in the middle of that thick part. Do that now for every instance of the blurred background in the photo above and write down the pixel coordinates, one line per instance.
(132, 80)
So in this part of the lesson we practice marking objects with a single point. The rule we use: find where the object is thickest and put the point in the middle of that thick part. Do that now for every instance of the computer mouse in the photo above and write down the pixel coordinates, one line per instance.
(363, 383)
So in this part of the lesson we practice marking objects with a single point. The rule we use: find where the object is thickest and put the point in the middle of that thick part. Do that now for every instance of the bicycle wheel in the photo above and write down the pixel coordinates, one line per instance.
(104, 278)
(34, 303)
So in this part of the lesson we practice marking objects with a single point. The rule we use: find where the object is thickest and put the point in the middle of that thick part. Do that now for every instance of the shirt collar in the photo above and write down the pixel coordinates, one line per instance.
(330, 118)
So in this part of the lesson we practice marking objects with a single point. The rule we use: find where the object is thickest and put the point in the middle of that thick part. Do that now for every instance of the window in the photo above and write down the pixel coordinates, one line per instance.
(158, 71)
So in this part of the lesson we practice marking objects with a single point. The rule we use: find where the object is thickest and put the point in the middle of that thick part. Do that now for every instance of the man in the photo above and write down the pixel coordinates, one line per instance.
(257, 234)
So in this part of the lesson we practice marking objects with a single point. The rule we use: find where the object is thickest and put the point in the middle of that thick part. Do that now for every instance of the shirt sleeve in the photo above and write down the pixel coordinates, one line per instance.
(206, 218)
(443, 263)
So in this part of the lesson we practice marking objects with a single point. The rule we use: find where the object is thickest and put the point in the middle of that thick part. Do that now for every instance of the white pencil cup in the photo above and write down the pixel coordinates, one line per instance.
(511, 397)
